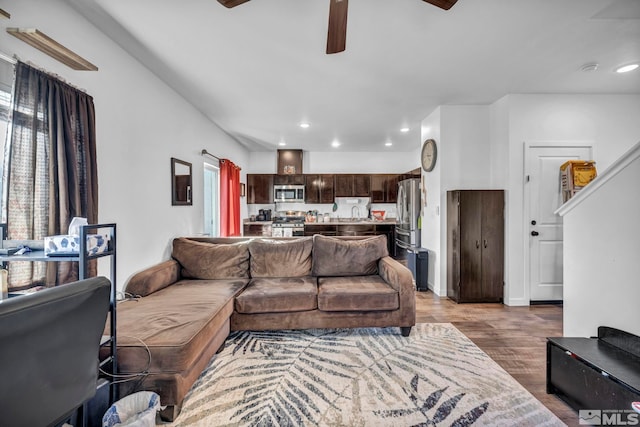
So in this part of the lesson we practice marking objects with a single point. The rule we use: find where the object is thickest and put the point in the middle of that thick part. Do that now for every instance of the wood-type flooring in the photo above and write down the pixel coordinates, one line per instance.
(515, 337)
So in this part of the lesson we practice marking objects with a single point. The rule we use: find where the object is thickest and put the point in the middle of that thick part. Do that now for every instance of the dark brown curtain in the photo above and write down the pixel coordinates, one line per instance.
(52, 174)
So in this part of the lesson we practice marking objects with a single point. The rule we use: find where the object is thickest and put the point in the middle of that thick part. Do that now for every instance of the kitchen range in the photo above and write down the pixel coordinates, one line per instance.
(288, 224)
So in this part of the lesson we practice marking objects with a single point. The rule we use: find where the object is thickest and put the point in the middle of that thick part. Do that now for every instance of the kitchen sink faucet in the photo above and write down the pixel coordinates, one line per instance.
(357, 212)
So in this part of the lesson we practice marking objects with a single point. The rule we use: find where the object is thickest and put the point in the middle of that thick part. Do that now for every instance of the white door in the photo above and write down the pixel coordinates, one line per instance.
(544, 228)
(211, 192)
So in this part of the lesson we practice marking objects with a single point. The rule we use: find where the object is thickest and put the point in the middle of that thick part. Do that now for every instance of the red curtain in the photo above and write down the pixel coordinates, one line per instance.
(229, 199)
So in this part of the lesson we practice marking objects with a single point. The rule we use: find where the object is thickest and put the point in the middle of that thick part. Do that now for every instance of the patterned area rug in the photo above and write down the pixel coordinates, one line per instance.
(358, 377)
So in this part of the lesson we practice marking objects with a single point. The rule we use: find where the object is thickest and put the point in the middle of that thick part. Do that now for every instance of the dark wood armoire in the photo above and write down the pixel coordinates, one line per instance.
(475, 245)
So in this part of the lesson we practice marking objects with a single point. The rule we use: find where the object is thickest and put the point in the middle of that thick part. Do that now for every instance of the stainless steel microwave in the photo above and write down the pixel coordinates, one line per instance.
(288, 193)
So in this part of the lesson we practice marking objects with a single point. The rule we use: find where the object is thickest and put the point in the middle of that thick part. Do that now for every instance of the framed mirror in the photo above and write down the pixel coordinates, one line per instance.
(181, 179)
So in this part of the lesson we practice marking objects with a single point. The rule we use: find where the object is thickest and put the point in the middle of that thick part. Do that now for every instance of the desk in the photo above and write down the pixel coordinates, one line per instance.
(83, 262)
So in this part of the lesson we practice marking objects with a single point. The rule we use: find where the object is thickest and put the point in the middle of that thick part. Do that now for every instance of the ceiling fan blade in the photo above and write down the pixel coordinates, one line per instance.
(337, 34)
(231, 3)
(442, 4)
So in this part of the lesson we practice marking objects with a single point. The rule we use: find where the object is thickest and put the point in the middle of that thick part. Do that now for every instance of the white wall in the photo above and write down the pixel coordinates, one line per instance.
(464, 162)
(483, 147)
(141, 123)
(431, 212)
(601, 253)
(610, 121)
(341, 162)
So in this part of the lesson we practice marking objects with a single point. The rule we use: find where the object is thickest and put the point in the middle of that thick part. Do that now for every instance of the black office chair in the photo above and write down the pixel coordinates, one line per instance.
(49, 343)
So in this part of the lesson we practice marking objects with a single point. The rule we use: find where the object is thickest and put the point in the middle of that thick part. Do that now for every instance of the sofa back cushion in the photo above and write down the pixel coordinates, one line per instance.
(201, 260)
(338, 257)
(281, 258)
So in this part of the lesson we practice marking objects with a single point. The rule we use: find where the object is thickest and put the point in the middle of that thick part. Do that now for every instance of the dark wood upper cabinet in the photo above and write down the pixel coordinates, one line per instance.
(343, 185)
(319, 188)
(392, 188)
(358, 185)
(362, 185)
(384, 188)
(260, 188)
(289, 162)
(297, 179)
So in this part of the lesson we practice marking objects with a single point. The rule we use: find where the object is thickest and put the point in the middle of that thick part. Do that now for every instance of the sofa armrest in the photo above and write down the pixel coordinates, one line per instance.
(399, 278)
(154, 278)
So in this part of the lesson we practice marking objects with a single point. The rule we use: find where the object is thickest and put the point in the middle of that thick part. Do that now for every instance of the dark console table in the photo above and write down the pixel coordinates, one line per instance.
(595, 373)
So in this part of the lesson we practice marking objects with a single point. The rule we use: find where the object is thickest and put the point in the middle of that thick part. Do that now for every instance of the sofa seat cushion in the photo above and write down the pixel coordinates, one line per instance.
(278, 295)
(174, 323)
(202, 260)
(337, 257)
(360, 293)
(280, 258)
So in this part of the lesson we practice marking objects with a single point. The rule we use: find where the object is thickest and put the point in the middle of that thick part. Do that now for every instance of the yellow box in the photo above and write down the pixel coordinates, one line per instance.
(577, 173)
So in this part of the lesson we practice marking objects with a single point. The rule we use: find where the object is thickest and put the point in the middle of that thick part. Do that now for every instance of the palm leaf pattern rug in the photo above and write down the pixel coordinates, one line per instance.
(358, 377)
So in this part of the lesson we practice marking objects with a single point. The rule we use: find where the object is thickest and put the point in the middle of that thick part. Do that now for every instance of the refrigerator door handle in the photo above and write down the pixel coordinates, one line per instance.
(400, 203)
(402, 244)
(402, 232)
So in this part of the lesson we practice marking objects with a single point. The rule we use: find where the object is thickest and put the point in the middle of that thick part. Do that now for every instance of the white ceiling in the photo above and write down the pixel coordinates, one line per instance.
(259, 69)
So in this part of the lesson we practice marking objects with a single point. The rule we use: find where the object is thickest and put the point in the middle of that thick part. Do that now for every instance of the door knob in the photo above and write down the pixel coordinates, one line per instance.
(535, 233)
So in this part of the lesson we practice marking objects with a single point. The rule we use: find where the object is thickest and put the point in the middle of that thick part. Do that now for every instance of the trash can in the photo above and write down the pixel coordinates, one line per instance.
(418, 263)
(422, 270)
(136, 410)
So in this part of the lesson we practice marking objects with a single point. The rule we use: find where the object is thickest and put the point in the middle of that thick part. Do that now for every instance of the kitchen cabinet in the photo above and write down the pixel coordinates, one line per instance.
(384, 188)
(260, 188)
(388, 230)
(347, 185)
(354, 229)
(475, 245)
(319, 189)
(257, 229)
(297, 179)
(289, 162)
(324, 229)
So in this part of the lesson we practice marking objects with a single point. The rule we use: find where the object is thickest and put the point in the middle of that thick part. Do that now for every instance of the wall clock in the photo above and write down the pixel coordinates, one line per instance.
(429, 155)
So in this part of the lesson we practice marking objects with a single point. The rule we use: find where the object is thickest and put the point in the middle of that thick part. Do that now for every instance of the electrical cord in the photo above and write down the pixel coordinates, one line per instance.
(131, 376)
(127, 296)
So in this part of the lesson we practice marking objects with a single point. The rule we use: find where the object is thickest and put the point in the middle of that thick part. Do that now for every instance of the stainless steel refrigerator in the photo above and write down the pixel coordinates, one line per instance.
(407, 217)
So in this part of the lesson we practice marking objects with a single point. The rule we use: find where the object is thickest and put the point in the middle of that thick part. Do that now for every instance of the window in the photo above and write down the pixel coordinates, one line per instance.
(211, 200)
(6, 88)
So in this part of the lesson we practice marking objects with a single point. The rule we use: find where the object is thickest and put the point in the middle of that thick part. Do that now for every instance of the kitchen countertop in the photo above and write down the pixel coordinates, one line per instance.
(344, 221)
(348, 221)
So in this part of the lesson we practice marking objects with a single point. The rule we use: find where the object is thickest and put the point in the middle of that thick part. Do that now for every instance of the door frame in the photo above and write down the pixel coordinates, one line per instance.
(590, 144)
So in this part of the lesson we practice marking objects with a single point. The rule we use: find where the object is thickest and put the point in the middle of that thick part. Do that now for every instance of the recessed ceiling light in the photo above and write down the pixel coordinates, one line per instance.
(282, 143)
(593, 66)
(335, 144)
(388, 144)
(405, 130)
(304, 125)
(626, 68)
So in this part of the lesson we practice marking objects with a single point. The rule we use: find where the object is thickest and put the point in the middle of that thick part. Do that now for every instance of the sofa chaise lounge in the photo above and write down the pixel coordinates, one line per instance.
(185, 308)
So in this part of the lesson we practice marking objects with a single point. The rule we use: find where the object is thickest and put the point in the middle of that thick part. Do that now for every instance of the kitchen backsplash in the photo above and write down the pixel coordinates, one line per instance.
(345, 207)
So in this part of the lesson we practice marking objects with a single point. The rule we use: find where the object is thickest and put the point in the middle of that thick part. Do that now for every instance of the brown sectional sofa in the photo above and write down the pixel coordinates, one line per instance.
(186, 307)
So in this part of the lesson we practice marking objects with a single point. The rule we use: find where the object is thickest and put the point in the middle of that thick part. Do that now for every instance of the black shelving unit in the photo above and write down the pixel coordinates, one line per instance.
(109, 364)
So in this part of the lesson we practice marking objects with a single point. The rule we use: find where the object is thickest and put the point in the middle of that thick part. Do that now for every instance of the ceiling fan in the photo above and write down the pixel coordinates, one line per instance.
(337, 34)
